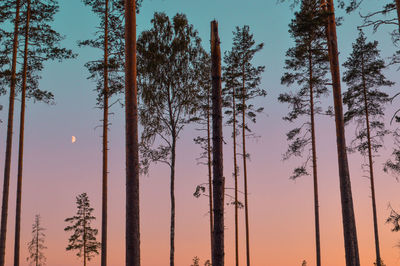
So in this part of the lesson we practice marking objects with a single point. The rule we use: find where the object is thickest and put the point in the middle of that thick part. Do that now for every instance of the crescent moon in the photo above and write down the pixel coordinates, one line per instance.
(73, 139)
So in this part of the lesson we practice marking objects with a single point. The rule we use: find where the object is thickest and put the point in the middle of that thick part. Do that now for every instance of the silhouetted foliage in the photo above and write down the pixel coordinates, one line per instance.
(83, 238)
(169, 76)
(309, 58)
(36, 245)
(116, 48)
(364, 68)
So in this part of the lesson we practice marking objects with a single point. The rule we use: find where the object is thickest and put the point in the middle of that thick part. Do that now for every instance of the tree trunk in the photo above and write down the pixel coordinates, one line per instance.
(7, 164)
(105, 145)
(132, 236)
(209, 164)
(37, 243)
(349, 224)
(218, 176)
(371, 169)
(246, 203)
(21, 142)
(314, 162)
(84, 239)
(172, 195)
(398, 12)
(236, 179)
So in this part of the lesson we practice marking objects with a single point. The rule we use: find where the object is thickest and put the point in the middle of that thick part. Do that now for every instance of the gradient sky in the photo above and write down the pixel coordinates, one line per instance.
(281, 211)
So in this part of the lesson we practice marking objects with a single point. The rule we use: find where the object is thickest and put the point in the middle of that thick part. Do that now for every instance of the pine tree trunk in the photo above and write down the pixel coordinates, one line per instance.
(349, 224)
(314, 162)
(7, 164)
(172, 195)
(218, 176)
(209, 164)
(21, 142)
(246, 203)
(84, 239)
(236, 179)
(371, 169)
(132, 236)
(398, 12)
(37, 243)
(105, 145)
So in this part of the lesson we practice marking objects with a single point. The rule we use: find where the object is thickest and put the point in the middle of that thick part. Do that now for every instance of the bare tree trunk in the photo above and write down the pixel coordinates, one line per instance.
(105, 145)
(398, 12)
(84, 239)
(132, 236)
(218, 253)
(172, 195)
(209, 163)
(349, 224)
(235, 168)
(371, 168)
(37, 243)
(21, 142)
(246, 202)
(314, 161)
(7, 164)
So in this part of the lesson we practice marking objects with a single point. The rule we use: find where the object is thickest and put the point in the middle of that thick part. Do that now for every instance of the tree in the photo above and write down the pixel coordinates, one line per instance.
(41, 44)
(83, 238)
(304, 263)
(245, 78)
(218, 252)
(7, 164)
(168, 66)
(366, 104)
(348, 218)
(231, 90)
(308, 66)
(107, 73)
(132, 232)
(36, 245)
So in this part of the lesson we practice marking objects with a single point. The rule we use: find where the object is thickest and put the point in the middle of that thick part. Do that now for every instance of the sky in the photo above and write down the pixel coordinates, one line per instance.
(281, 210)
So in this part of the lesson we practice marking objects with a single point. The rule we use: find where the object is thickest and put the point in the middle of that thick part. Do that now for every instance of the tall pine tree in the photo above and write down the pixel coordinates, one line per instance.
(41, 44)
(366, 104)
(308, 63)
(245, 78)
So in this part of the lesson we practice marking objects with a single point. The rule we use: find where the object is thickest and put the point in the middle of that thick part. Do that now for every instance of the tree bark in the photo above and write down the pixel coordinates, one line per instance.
(246, 202)
(105, 145)
(314, 161)
(7, 164)
(21, 142)
(132, 236)
(349, 224)
(236, 179)
(172, 195)
(218, 177)
(209, 164)
(371, 168)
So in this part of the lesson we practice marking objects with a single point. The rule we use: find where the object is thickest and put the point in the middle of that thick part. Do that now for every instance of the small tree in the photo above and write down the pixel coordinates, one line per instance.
(83, 238)
(304, 263)
(36, 245)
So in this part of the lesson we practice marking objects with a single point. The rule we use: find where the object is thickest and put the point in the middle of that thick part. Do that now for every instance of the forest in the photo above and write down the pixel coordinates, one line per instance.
(180, 132)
